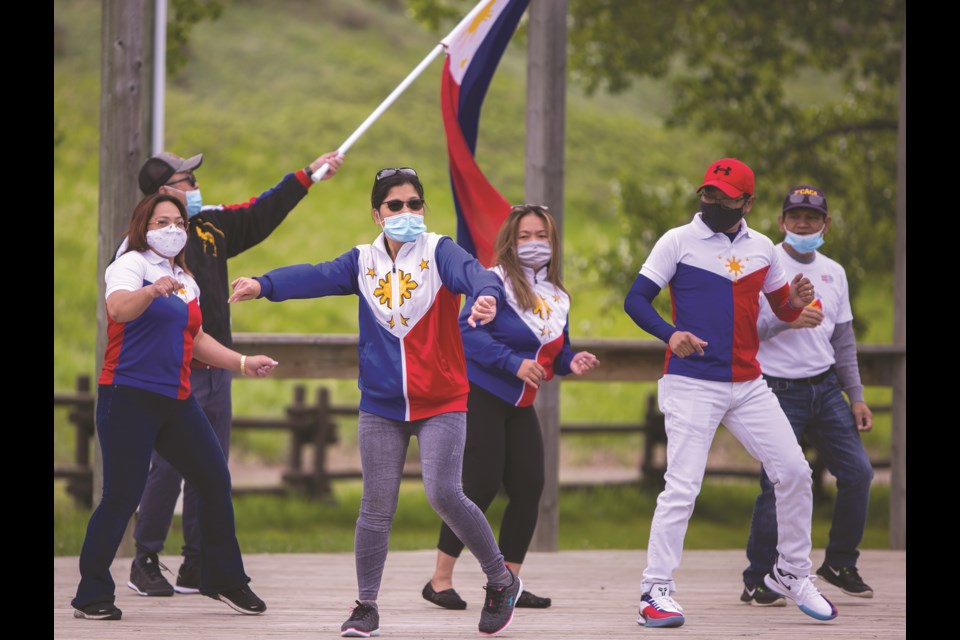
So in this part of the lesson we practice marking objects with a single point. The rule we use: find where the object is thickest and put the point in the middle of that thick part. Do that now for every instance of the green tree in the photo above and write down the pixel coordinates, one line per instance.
(183, 16)
(737, 68)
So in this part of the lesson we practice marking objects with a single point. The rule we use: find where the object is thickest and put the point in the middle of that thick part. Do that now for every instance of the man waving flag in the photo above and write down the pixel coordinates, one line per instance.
(472, 57)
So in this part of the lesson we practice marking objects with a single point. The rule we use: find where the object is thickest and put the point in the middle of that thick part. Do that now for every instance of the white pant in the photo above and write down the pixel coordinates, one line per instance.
(693, 409)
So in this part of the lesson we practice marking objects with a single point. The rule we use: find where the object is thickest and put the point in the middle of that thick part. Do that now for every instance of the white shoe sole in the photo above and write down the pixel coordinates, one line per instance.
(147, 595)
(185, 590)
(239, 609)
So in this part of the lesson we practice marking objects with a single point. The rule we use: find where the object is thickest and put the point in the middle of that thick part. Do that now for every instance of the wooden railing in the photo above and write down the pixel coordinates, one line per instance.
(313, 426)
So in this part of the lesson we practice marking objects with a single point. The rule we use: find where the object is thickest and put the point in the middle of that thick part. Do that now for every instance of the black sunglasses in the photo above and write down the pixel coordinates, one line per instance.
(386, 173)
(415, 204)
(190, 178)
(810, 198)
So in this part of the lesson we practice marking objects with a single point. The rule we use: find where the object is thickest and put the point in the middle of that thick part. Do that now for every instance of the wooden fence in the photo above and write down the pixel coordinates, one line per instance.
(312, 427)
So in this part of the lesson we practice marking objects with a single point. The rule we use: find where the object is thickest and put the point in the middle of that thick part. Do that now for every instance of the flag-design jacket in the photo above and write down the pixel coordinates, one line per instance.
(412, 364)
(496, 350)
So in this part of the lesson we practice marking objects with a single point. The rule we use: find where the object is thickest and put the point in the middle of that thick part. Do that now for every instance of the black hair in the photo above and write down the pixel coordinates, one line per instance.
(382, 187)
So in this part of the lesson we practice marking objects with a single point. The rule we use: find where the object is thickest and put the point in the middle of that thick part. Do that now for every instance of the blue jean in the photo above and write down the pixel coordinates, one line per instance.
(383, 449)
(131, 423)
(211, 389)
(821, 413)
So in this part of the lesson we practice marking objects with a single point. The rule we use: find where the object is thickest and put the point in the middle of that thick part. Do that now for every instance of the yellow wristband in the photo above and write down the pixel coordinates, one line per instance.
(243, 365)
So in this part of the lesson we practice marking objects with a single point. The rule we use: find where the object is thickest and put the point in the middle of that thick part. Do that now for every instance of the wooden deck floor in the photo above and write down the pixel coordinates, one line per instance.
(595, 595)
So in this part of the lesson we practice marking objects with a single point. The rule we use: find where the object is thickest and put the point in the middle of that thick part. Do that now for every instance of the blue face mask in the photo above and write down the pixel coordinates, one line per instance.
(194, 202)
(804, 244)
(404, 227)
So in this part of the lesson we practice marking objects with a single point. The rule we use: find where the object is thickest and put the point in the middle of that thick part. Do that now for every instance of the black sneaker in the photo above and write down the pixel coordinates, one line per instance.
(188, 578)
(448, 598)
(242, 599)
(498, 606)
(529, 601)
(762, 597)
(847, 579)
(364, 622)
(98, 611)
(146, 578)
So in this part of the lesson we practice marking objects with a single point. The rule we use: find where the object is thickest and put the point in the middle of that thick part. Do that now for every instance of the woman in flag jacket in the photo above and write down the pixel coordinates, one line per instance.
(413, 379)
(507, 359)
(144, 403)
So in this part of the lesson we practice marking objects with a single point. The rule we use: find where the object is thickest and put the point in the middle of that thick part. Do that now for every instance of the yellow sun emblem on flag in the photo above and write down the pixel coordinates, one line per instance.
(385, 290)
(542, 309)
(482, 16)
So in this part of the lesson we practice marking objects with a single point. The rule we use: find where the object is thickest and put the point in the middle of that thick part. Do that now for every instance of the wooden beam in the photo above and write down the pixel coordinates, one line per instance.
(335, 356)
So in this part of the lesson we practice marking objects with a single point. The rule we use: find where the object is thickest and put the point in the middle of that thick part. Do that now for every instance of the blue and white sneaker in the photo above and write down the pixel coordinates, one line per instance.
(802, 591)
(658, 609)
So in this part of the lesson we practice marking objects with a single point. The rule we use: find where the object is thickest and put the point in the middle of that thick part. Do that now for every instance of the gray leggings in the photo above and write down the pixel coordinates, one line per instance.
(383, 449)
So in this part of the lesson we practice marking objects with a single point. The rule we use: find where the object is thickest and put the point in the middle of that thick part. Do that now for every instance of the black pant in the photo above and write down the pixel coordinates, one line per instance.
(504, 445)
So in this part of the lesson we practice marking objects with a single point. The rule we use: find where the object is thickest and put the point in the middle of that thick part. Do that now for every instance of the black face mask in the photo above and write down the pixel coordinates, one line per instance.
(719, 218)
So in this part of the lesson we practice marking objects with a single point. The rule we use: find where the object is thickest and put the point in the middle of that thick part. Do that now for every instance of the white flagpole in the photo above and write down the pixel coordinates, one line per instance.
(390, 99)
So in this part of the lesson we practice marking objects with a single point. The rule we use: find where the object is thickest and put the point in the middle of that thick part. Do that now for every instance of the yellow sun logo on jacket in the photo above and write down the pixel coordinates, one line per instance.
(542, 309)
(385, 291)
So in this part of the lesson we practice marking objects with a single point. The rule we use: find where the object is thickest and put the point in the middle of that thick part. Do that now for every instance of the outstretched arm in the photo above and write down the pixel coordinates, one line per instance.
(462, 273)
(207, 349)
(335, 278)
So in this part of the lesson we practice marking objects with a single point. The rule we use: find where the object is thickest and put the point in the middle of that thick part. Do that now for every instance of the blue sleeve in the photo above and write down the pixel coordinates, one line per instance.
(335, 278)
(639, 306)
(462, 273)
(561, 365)
(482, 347)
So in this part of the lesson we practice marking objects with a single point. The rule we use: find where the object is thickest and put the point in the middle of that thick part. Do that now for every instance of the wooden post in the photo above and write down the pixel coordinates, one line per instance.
(546, 116)
(124, 145)
(898, 461)
(320, 487)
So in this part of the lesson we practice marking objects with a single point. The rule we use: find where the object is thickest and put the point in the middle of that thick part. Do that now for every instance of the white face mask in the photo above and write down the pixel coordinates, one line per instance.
(534, 254)
(167, 242)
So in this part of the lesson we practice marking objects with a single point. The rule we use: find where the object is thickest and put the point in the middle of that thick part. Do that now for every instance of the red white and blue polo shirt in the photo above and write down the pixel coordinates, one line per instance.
(714, 288)
(153, 351)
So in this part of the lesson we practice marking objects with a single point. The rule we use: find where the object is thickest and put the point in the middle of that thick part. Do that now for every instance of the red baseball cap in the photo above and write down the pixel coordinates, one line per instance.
(730, 176)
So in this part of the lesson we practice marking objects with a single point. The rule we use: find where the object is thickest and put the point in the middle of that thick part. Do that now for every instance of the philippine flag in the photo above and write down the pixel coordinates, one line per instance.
(472, 58)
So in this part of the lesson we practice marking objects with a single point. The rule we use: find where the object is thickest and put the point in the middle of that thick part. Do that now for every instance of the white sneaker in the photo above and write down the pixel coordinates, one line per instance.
(802, 591)
(658, 609)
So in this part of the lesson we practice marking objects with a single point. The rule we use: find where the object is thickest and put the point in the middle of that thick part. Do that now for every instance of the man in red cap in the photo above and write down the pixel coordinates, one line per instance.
(215, 233)
(717, 267)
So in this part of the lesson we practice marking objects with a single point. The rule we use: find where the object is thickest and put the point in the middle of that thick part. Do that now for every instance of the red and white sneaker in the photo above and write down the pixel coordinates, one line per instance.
(658, 609)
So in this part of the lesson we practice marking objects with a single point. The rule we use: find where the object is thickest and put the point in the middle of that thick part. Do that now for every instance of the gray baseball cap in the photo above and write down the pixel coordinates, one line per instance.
(157, 170)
